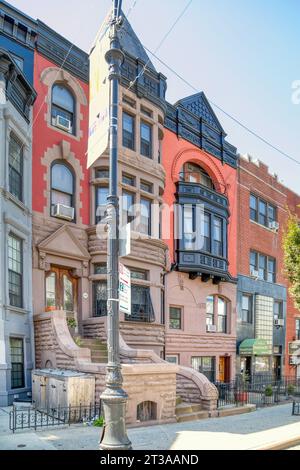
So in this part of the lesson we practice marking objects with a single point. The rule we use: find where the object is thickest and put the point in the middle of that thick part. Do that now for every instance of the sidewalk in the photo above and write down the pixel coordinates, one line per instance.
(259, 429)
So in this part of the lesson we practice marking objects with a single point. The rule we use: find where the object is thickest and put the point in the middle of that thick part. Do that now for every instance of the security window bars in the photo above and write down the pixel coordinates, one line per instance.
(146, 140)
(261, 211)
(15, 271)
(264, 265)
(205, 365)
(128, 131)
(15, 169)
(141, 305)
(17, 363)
(100, 299)
(175, 320)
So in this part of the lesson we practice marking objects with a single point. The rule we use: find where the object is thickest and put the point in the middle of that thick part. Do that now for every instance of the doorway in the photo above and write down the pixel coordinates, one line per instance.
(224, 369)
(246, 369)
(277, 367)
(61, 291)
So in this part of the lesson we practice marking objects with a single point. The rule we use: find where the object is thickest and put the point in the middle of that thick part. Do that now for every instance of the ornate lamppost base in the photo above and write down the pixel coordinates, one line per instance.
(114, 435)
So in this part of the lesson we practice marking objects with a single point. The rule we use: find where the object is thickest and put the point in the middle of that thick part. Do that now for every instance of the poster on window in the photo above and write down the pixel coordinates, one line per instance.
(99, 95)
(125, 289)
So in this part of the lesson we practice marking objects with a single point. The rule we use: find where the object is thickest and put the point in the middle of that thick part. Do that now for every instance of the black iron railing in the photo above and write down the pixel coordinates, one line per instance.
(258, 392)
(33, 418)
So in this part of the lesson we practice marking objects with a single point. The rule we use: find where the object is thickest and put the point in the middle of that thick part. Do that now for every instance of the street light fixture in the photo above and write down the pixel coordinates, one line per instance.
(114, 398)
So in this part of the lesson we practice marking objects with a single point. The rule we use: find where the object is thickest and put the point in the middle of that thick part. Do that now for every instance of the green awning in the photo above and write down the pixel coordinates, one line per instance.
(255, 347)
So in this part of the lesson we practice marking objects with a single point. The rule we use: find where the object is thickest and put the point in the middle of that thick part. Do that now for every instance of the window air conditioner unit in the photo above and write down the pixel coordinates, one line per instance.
(274, 226)
(63, 212)
(254, 274)
(63, 123)
(211, 328)
(279, 322)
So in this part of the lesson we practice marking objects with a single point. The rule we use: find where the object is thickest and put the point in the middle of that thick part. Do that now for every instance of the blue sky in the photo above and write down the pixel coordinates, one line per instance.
(243, 54)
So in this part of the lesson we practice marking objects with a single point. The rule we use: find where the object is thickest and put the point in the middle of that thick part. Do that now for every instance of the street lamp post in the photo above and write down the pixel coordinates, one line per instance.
(114, 398)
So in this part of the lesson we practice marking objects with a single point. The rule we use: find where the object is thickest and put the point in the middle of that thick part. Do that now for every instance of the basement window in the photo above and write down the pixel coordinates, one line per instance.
(147, 411)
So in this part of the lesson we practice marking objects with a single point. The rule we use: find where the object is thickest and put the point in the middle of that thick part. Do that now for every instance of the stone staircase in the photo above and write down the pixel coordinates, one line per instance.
(189, 411)
(98, 349)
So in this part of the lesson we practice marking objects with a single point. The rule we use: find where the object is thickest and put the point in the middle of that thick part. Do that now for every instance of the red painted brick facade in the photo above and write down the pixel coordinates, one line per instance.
(52, 137)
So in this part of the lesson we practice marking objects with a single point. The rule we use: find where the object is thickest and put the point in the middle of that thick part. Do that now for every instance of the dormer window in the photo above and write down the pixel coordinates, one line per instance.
(63, 109)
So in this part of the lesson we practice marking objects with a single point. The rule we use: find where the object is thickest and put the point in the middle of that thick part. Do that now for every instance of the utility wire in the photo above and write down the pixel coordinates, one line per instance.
(237, 121)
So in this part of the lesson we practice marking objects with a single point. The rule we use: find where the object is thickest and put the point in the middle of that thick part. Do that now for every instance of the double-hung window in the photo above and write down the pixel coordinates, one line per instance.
(218, 234)
(17, 363)
(128, 131)
(146, 140)
(15, 271)
(246, 312)
(15, 162)
(261, 211)
(101, 202)
(145, 208)
(128, 209)
(175, 321)
(264, 265)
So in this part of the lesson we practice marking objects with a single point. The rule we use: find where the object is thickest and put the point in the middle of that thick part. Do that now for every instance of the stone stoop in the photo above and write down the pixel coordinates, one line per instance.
(190, 412)
(98, 350)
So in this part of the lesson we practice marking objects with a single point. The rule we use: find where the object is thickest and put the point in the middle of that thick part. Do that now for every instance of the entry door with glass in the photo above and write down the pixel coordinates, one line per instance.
(61, 290)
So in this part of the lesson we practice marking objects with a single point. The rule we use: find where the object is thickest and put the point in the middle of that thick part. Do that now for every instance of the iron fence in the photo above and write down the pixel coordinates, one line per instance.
(258, 392)
(32, 418)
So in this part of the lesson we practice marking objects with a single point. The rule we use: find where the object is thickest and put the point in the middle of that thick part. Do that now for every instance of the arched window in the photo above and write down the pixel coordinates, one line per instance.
(62, 189)
(63, 108)
(192, 173)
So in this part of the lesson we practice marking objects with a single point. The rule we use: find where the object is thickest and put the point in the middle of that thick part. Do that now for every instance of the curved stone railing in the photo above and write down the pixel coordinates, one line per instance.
(191, 386)
(55, 345)
(194, 387)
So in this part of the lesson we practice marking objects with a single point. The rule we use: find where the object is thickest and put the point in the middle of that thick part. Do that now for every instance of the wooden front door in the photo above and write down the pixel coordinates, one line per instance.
(61, 290)
(224, 369)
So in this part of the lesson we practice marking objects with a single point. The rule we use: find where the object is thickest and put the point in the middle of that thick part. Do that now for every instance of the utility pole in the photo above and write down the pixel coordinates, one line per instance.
(114, 398)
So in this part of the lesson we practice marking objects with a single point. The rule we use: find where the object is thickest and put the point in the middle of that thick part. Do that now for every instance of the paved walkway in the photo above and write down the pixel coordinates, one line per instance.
(248, 431)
